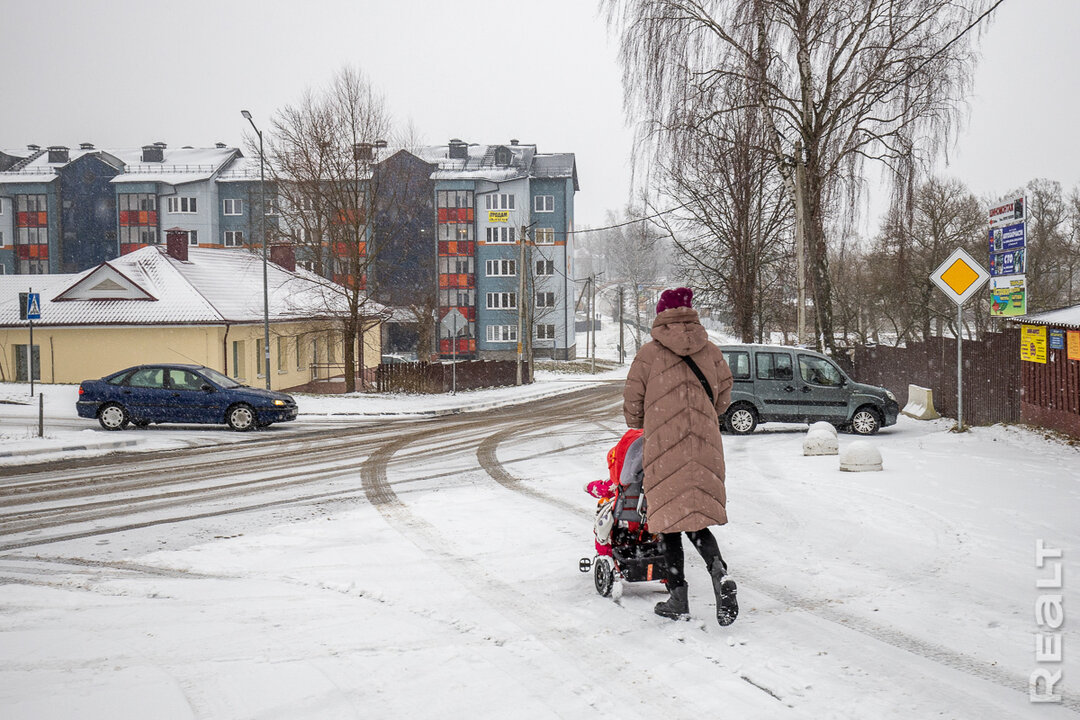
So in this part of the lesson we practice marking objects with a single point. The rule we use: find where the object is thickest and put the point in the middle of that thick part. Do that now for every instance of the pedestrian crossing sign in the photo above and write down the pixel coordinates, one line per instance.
(33, 306)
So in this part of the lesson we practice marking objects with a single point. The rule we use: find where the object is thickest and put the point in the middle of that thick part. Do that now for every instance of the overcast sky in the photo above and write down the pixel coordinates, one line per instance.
(123, 73)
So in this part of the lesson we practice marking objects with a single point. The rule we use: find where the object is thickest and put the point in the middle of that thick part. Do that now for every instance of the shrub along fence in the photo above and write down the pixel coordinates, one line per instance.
(992, 381)
(439, 377)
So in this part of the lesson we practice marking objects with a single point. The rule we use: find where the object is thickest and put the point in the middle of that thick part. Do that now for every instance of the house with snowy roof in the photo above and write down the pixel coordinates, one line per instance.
(180, 304)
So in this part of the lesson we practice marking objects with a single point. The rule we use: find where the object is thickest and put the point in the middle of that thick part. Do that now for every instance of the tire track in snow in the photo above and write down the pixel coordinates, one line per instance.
(782, 595)
(492, 590)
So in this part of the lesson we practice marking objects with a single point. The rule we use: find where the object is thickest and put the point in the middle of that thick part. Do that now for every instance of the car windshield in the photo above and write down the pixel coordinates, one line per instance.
(218, 379)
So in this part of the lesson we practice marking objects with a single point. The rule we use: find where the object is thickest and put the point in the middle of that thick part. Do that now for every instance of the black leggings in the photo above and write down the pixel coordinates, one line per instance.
(706, 546)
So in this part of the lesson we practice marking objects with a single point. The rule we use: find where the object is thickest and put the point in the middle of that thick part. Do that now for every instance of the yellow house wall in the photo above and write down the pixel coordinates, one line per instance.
(70, 355)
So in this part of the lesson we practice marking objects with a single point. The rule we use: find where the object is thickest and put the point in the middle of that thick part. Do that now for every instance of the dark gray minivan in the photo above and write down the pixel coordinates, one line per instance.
(776, 383)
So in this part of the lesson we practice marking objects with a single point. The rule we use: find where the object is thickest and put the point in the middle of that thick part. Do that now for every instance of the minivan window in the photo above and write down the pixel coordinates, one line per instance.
(739, 362)
(774, 366)
(819, 371)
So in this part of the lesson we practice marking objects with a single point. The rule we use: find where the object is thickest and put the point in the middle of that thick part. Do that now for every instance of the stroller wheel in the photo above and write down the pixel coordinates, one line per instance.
(603, 575)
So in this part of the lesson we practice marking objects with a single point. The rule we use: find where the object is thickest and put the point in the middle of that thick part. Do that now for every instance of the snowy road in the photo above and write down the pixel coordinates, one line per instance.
(414, 567)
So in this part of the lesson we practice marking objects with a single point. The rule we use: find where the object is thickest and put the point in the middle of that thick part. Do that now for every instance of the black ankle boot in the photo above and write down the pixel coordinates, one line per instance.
(676, 606)
(727, 605)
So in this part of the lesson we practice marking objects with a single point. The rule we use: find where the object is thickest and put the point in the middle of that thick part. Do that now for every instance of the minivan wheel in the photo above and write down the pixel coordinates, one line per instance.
(865, 421)
(241, 417)
(741, 419)
(113, 416)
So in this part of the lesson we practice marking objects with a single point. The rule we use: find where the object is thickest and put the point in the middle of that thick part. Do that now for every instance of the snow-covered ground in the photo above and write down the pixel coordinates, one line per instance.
(907, 593)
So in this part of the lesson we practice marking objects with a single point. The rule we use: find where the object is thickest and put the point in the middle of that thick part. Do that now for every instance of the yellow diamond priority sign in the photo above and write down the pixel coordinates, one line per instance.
(960, 276)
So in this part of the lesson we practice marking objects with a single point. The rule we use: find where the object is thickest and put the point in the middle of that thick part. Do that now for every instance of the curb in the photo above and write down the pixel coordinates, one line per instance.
(69, 448)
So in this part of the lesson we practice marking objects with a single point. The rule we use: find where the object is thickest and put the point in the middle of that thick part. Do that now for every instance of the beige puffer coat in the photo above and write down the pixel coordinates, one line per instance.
(684, 455)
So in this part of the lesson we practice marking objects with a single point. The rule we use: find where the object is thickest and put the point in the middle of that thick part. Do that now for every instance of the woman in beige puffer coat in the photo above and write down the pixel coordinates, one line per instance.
(683, 454)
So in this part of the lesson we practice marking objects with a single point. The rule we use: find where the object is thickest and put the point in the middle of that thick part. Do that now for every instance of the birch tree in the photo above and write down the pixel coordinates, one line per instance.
(837, 83)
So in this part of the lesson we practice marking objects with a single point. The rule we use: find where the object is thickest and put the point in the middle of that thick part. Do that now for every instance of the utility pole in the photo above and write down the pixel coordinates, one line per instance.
(592, 322)
(800, 240)
(622, 346)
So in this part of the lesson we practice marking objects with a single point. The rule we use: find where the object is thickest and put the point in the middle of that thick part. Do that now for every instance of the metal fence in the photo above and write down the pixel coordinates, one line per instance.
(992, 380)
(439, 377)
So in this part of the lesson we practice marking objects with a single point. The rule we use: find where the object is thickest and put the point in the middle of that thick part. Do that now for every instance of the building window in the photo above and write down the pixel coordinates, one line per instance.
(234, 238)
(545, 236)
(456, 298)
(501, 301)
(192, 237)
(503, 235)
(500, 201)
(545, 299)
(21, 373)
(260, 361)
(176, 204)
(545, 332)
(238, 359)
(501, 268)
(233, 206)
(545, 267)
(282, 354)
(455, 265)
(544, 203)
(502, 333)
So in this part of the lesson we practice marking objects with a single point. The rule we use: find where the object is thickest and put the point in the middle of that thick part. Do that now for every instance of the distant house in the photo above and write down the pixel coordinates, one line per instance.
(180, 304)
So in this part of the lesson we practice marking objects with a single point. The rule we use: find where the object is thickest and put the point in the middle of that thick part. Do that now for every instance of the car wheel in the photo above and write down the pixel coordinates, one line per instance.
(113, 416)
(241, 417)
(741, 419)
(865, 421)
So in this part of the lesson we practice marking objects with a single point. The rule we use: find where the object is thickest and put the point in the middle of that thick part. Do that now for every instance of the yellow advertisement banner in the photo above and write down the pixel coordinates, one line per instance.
(1033, 343)
(1073, 343)
(498, 216)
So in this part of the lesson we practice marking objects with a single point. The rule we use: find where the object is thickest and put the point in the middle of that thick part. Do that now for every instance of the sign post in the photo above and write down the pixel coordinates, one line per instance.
(450, 324)
(30, 310)
(959, 277)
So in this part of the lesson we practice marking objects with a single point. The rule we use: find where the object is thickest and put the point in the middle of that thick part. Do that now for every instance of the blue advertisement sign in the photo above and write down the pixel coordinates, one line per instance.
(1057, 339)
(1008, 263)
(1007, 237)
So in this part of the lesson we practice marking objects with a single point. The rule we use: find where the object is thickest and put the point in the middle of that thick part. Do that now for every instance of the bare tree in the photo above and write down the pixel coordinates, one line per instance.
(733, 227)
(1050, 252)
(321, 154)
(837, 82)
(633, 249)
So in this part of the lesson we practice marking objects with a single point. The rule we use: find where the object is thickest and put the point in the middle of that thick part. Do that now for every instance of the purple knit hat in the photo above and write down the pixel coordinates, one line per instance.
(679, 297)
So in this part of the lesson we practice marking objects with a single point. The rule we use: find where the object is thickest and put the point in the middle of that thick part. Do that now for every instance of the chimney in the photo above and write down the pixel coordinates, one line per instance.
(458, 149)
(33, 148)
(160, 145)
(380, 144)
(513, 141)
(152, 154)
(86, 146)
(58, 154)
(362, 151)
(220, 145)
(284, 256)
(176, 244)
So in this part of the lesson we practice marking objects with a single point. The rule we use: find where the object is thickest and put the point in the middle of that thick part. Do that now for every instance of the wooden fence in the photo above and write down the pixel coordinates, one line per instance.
(992, 379)
(439, 377)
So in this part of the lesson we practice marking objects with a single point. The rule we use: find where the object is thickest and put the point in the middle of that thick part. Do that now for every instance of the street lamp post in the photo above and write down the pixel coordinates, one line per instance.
(262, 231)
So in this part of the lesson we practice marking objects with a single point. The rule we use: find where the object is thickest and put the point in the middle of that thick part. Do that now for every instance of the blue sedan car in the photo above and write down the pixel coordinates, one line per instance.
(172, 393)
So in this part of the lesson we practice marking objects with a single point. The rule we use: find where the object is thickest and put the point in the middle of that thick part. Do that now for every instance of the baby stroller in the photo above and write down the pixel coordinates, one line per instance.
(625, 549)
